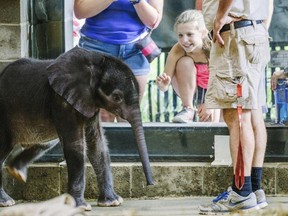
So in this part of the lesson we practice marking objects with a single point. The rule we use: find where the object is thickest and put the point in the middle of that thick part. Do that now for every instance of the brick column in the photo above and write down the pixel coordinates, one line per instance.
(14, 27)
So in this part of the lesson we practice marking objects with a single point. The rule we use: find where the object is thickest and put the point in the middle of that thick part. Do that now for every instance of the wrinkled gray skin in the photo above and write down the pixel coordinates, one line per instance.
(41, 100)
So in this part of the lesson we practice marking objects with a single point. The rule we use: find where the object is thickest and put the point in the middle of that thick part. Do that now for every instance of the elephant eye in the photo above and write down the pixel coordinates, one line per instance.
(116, 97)
(90, 67)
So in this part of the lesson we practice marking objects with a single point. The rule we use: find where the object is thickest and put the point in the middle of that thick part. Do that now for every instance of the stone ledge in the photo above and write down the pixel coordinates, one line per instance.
(47, 180)
(193, 142)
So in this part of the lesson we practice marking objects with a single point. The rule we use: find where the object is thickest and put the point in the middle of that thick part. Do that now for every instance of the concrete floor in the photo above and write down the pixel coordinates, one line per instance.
(179, 207)
(278, 206)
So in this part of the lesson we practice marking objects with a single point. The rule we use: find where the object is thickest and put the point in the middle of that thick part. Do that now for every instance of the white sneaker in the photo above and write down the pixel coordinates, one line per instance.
(230, 201)
(261, 198)
(184, 116)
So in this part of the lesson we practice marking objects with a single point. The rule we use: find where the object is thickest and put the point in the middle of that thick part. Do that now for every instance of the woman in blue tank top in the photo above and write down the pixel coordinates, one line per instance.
(113, 27)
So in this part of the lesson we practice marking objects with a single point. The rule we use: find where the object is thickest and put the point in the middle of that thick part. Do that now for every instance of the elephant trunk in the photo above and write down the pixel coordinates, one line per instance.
(138, 130)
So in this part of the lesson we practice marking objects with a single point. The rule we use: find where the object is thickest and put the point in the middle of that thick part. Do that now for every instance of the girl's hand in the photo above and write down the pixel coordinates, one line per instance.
(163, 82)
(204, 114)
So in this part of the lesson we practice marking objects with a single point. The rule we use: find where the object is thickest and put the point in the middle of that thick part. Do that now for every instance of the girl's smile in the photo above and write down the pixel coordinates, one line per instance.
(189, 37)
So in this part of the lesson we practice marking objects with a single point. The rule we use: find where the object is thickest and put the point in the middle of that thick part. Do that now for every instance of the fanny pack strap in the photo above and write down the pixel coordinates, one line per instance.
(239, 170)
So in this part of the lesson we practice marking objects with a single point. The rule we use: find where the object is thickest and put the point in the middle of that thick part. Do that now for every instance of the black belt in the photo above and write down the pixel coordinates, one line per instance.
(237, 24)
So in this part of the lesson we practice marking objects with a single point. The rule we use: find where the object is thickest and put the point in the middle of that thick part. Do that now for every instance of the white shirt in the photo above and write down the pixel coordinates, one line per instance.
(246, 9)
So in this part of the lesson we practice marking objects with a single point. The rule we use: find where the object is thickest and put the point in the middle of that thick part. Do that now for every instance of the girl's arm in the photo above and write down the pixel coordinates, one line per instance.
(163, 80)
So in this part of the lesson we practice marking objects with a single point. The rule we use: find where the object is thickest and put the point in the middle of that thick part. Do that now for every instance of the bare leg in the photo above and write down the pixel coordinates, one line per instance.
(184, 80)
(216, 115)
(142, 81)
(260, 134)
(248, 144)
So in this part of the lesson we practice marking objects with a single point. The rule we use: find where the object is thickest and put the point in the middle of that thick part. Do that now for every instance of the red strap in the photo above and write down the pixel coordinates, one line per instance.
(239, 90)
(239, 170)
(149, 48)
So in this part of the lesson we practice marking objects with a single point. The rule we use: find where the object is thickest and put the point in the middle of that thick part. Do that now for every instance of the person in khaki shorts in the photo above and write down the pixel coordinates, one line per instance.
(238, 58)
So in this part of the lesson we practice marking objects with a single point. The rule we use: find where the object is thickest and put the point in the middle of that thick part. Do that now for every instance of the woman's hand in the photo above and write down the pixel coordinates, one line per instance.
(163, 82)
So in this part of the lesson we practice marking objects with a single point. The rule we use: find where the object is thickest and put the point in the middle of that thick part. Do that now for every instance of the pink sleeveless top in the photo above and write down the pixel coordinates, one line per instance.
(202, 74)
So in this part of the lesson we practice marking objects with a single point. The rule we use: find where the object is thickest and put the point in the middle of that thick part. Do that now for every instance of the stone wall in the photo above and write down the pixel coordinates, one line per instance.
(178, 179)
(14, 30)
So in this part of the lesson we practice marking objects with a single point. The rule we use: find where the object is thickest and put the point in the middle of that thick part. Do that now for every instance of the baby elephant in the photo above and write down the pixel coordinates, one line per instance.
(41, 100)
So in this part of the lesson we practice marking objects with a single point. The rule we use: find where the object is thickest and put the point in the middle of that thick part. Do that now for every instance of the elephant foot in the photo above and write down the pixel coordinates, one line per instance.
(80, 203)
(20, 175)
(7, 203)
(5, 199)
(86, 207)
(110, 203)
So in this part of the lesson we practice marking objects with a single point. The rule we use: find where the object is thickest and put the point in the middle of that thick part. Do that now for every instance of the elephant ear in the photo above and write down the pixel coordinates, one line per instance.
(73, 75)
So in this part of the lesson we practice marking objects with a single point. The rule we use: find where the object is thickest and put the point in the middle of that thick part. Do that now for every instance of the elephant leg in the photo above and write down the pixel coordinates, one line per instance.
(18, 165)
(70, 130)
(5, 149)
(5, 199)
(99, 158)
(74, 148)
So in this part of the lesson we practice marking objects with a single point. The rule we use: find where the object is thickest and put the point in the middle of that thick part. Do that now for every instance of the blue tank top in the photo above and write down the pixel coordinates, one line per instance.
(117, 24)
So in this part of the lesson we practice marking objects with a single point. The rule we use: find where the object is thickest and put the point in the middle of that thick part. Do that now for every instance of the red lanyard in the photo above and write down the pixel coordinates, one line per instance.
(239, 170)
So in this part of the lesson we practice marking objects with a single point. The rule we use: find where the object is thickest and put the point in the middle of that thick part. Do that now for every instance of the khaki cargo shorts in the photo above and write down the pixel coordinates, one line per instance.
(242, 60)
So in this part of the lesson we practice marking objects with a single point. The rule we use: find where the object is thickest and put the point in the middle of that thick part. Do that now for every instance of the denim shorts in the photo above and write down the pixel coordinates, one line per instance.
(128, 53)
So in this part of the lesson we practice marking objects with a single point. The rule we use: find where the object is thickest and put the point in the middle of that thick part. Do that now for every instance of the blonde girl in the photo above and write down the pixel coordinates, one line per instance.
(187, 67)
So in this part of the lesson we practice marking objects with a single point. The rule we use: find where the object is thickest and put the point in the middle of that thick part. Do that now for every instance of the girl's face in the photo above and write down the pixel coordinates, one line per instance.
(189, 37)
